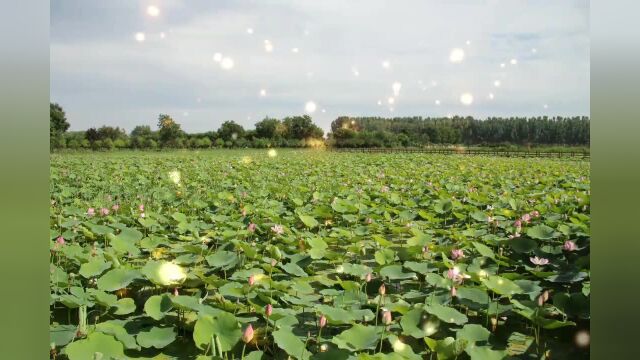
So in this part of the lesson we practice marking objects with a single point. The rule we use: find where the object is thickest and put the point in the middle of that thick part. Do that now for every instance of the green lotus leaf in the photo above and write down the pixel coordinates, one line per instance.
(117, 279)
(357, 338)
(224, 326)
(96, 342)
(156, 337)
(157, 306)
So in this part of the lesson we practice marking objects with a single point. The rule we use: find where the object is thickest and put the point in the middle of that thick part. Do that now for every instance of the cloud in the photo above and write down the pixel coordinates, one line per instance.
(101, 75)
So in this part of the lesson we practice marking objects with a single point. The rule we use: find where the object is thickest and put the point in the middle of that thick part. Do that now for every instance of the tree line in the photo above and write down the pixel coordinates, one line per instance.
(419, 131)
(293, 131)
(300, 131)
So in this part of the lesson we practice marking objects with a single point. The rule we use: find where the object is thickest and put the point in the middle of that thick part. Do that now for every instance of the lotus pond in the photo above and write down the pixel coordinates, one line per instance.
(316, 255)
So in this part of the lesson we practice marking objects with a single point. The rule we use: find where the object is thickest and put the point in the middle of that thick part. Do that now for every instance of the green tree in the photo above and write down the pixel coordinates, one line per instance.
(230, 131)
(58, 125)
(301, 127)
(268, 128)
(169, 132)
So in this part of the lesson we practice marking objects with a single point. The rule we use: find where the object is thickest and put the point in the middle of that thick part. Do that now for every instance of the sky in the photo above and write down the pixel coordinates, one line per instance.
(124, 62)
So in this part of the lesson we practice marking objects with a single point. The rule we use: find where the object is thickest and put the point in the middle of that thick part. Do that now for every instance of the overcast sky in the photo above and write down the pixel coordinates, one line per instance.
(101, 73)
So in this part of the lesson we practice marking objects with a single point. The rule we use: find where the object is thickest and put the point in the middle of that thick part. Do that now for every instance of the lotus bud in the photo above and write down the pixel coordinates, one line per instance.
(60, 241)
(368, 277)
(141, 207)
(252, 280)
(323, 321)
(494, 323)
(274, 262)
(175, 292)
(386, 317)
(247, 336)
(268, 310)
(382, 290)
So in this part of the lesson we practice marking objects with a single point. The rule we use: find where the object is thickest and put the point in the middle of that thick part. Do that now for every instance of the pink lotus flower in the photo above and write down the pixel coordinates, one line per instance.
(535, 213)
(322, 322)
(278, 229)
(569, 246)
(251, 227)
(386, 317)
(539, 261)
(252, 280)
(175, 292)
(368, 277)
(247, 336)
(91, 211)
(141, 207)
(526, 218)
(454, 292)
(457, 254)
(384, 189)
(517, 223)
(454, 274)
(268, 310)
(382, 290)
(115, 207)
(60, 241)
(104, 211)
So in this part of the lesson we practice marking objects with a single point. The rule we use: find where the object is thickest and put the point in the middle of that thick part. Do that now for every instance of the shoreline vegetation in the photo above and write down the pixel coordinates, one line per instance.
(553, 134)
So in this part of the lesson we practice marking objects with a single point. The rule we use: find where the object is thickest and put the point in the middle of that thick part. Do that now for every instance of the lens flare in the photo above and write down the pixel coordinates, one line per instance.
(174, 176)
(456, 55)
(226, 63)
(396, 86)
(162, 35)
(217, 57)
(513, 61)
(386, 64)
(355, 71)
(379, 102)
(171, 274)
(310, 107)
(272, 153)
(140, 37)
(295, 50)
(466, 99)
(391, 100)
(497, 83)
(468, 42)
(437, 102)
(583, 339)
(263, 92)
(503, 65)
(153, 11)
(249, 31)
(491, 96)
(268, 46)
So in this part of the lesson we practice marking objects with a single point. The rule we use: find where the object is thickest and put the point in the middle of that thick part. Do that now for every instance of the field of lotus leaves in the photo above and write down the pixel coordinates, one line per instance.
(316, 255)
